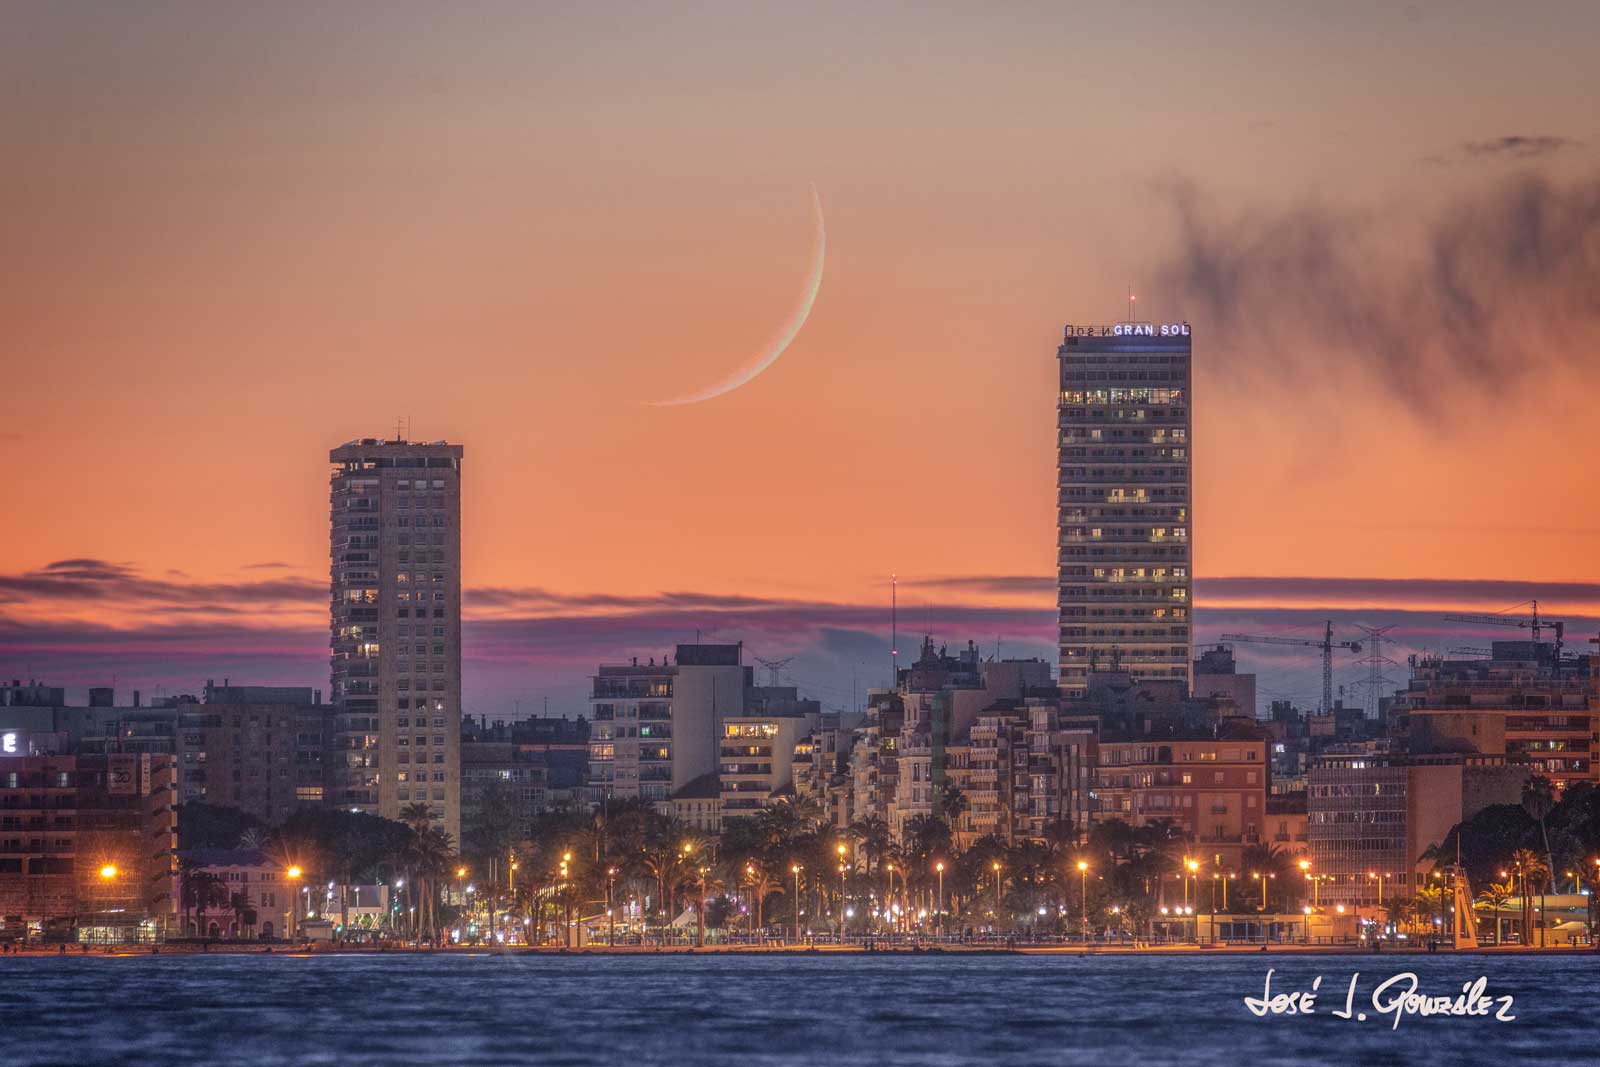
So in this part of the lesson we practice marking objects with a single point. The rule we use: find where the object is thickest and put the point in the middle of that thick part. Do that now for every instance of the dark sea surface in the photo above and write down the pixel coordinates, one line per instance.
(780, 1010)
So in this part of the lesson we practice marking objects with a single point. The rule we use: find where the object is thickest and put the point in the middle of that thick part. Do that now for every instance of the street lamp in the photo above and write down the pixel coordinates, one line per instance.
(294, 873)
(611, 918)
(996, 866)
(939, 867)
(841, 902)
(889, 891)
(1193, 867)
(1083, 899)
(1316, 882)
(840, 849)
(108, 872)
(795, 869)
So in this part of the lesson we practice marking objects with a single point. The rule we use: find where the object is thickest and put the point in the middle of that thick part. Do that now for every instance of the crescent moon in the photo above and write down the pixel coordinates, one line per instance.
(785, 335)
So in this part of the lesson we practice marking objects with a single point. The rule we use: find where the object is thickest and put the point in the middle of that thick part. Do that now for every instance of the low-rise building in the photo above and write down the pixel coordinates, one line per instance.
(235, 893)
(698, 805)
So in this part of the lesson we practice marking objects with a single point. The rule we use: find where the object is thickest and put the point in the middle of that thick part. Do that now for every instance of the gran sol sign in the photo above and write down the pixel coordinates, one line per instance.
(1131, 329)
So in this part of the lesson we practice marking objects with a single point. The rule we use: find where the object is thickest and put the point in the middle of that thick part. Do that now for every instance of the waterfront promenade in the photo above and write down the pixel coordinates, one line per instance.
(323, 949)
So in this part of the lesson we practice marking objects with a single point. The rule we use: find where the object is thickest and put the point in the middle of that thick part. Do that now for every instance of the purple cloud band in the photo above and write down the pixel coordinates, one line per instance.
(518, 640)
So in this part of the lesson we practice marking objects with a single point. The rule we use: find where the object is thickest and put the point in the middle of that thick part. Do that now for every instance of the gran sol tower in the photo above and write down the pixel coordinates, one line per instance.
(396, 629)
(1124, 489)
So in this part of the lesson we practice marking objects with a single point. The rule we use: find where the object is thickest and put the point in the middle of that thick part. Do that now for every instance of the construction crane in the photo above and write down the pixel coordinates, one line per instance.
(1469, 651)
(1533, 623)
(773, 666)
(1327, 644)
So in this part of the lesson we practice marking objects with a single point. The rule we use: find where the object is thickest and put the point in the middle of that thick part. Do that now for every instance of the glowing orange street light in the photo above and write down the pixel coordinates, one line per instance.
(1083, 898)
(108, 872)
(294, 872)
(794, 868)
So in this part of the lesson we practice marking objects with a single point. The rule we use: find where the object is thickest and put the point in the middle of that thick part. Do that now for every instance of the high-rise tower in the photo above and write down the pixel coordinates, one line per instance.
(396, 629)
(1124, 484)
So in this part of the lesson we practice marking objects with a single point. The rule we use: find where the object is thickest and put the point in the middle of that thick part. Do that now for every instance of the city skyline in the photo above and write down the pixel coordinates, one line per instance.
(632, 509)
(356, 245)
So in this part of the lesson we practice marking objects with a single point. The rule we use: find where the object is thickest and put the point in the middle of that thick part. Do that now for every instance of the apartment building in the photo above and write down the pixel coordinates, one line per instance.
(1124, 487)
(395, 628)
(87, 845)
(1213, 789)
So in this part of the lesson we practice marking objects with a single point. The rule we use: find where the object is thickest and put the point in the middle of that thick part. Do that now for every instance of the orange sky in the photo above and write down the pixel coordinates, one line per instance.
(236, 237)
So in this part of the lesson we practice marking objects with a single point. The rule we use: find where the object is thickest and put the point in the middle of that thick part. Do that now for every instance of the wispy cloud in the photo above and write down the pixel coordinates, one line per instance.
(1494, 288)
(1516, 146)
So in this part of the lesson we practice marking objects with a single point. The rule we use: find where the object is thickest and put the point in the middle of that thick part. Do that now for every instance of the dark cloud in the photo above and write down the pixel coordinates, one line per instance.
(994, 584)
(522, 640)
(98, 580)
(1579, 597)
(1517, 146)
(270, 565)
(1491, 289)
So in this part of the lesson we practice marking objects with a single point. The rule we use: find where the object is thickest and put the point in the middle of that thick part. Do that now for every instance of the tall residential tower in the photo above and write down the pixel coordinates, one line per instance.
(1124, 486)
(396, 629)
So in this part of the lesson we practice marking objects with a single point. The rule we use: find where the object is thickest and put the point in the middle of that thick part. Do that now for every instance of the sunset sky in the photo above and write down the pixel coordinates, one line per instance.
(236, 235)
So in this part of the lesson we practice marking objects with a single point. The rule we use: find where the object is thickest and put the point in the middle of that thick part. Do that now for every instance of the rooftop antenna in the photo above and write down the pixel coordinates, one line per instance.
(894, 630)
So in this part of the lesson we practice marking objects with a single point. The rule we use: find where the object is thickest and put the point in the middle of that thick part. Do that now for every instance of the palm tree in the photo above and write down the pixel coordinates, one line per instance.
(431, 855)
(1530, 869)
(1539, 800)
(1430, 904)
(873, 835)
(952, 803)
(660, 858)
(1399, 911)
(187, 869)
(417, 815)
(762, 885)
(239, 904)
(1267, 860)
(204, 890)
(1494, 895)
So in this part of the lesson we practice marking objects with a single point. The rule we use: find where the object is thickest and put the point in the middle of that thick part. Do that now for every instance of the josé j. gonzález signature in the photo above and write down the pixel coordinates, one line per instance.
(1396, 996)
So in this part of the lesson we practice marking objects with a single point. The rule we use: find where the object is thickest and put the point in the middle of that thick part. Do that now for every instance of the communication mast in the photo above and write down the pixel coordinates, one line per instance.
(894, 630)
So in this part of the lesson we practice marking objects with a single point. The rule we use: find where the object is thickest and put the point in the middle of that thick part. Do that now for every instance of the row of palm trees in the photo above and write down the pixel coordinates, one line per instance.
(784, 862)
(342, 849)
